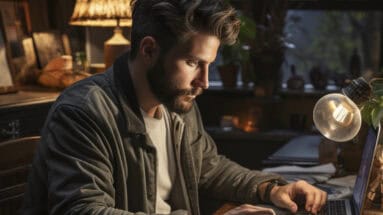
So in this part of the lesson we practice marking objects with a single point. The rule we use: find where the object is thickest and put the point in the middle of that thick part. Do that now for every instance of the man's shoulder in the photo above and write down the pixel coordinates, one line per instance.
(89, 92)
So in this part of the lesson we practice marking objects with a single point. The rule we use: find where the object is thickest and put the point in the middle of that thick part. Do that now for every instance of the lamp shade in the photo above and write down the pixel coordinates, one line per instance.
(105, 13)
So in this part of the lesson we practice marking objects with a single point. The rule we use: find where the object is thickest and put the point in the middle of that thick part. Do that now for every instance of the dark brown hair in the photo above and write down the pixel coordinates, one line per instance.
(171, 21)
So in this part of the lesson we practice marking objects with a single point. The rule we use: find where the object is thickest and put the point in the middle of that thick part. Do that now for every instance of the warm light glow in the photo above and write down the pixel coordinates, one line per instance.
(117, 38)
(250, 126)
(342, 115)
(102, 13)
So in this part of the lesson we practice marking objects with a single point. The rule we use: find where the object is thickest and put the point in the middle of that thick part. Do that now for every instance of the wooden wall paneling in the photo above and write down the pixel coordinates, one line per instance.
(39, 15)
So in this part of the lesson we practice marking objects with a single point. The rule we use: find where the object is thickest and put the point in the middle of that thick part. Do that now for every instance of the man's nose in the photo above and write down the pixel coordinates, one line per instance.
(203, 78)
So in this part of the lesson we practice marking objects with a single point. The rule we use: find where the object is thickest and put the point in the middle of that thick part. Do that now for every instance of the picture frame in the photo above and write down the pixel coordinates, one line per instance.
(49, 45)
(25, 67)
(16, 23)
(6, 70)
(17, 30)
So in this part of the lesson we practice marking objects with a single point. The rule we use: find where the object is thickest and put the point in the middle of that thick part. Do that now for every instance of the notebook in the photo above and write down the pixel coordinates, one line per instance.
(304, 153)
(354, 205)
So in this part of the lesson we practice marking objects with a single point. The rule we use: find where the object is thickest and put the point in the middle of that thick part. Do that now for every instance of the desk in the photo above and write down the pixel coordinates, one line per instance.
(363, 188)
(23, 113)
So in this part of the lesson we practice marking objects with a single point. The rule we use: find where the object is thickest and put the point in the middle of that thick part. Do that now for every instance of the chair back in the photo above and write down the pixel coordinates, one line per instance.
(16, 157)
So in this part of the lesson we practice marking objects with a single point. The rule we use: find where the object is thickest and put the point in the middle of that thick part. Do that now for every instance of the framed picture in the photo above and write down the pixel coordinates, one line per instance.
(49, 45)
(29, 51)
(17, 30)
(16, 23)
(25, 67)
(6, 78)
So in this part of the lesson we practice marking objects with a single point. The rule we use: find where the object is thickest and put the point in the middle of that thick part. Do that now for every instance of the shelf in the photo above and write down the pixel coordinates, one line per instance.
(308, 92)
(239, 92)
(277, 135)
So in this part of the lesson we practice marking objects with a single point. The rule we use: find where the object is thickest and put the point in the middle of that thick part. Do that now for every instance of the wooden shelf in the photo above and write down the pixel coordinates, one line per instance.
(277, 135)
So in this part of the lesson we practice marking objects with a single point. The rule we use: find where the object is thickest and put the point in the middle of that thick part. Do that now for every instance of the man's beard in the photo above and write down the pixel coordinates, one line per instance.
(167, 92)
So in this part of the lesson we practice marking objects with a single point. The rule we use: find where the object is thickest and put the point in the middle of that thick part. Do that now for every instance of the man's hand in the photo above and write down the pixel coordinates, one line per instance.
(284, 196)
(250, 210)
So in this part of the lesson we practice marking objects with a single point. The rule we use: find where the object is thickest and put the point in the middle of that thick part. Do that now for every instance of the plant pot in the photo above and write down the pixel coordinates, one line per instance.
(266, 88)
(228, 74)
(267, 72)
(319, 77)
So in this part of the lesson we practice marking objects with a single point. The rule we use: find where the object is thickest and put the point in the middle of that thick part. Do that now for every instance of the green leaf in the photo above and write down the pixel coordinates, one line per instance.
(365, 111)
(377, 87)
(372, 110)
(377, 91)
(247, 29)
(376, 115)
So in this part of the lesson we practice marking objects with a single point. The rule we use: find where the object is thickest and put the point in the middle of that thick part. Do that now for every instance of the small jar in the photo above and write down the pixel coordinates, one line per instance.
(81, 63)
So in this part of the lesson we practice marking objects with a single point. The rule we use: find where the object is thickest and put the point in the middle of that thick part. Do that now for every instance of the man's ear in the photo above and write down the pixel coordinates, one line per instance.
(149, 49)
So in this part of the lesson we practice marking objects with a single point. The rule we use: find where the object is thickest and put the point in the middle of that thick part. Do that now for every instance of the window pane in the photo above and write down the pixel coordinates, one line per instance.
(328, 39)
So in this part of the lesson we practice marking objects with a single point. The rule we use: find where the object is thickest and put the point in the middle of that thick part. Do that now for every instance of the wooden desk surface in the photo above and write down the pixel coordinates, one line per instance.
(23, 113)
(27, 97)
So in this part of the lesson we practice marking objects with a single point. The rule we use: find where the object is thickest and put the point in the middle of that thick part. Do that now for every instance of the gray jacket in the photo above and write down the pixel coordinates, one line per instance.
(96, 157)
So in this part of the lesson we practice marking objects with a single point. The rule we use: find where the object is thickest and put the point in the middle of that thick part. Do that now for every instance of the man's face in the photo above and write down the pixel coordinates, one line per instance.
(182, 73)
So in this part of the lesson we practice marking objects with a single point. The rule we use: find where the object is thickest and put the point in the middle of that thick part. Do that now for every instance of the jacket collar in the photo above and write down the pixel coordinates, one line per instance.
(127, 95)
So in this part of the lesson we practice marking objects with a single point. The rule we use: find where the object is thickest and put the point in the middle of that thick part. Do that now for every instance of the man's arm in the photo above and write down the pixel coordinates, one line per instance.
(223, 178)
(226, 179)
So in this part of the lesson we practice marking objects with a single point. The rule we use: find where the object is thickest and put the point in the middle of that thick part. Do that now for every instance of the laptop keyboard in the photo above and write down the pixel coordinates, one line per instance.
(334, 207)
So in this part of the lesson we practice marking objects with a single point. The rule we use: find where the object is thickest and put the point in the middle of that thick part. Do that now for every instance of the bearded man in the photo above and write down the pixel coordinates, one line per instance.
(131, 140)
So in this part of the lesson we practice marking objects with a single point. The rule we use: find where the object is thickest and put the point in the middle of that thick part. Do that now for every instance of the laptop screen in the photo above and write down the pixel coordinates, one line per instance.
(364, 169)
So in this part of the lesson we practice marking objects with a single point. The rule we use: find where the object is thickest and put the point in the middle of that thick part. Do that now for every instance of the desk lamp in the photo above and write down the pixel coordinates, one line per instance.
(105, 13)
(337, 115)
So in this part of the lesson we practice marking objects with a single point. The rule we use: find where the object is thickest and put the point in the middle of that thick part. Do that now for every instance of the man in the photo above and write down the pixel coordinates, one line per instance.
(131, 140)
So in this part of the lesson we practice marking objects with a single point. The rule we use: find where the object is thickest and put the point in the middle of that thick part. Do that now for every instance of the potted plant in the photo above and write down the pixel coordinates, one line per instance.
(228, 69)
(238, 55)
(372, 109)
(269, 46)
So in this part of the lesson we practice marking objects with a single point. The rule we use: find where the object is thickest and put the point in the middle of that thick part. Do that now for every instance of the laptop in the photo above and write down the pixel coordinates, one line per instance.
(355, 205)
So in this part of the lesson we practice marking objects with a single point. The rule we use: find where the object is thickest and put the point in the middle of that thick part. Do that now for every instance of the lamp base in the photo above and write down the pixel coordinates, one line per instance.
(114, 47)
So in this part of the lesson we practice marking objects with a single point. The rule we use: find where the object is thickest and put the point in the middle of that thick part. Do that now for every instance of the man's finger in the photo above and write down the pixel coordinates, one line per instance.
(286, 202)
(315, 200)
(310, 198)
(323, 200)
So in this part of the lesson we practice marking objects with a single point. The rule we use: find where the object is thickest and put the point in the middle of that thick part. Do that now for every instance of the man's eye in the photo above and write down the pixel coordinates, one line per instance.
(192, 63)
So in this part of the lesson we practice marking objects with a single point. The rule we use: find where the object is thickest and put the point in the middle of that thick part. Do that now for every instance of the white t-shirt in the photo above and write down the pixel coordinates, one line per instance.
(158, 129)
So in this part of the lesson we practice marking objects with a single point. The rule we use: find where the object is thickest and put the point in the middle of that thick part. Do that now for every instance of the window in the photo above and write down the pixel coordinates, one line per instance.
(339, 39)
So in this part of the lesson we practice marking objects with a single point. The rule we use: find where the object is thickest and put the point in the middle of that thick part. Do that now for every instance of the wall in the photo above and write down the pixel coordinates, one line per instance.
(48, 14)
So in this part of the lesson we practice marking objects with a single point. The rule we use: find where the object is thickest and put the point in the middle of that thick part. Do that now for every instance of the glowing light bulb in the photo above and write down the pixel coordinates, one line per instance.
(337, 117)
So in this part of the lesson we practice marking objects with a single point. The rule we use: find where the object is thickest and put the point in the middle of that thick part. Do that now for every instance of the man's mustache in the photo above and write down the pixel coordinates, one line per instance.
(196, 91)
